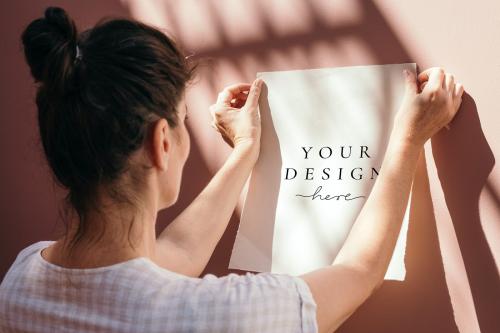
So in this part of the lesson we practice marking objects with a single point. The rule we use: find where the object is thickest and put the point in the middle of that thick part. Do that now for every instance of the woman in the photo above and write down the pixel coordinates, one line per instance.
(111, 112)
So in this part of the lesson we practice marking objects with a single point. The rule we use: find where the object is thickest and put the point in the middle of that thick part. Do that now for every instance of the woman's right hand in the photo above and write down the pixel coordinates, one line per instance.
(424, 113)
(235, 115)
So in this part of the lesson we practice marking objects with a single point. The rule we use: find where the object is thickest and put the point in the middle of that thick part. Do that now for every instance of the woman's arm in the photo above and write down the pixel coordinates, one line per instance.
(188, 242)
(362, 261)
(361, 264)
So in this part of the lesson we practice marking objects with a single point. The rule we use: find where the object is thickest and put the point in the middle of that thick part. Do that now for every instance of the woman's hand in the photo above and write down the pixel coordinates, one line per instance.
(236, 117)
(424, 113)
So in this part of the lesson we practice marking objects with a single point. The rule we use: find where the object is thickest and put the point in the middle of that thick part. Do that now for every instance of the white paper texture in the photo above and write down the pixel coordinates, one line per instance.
(300, 207)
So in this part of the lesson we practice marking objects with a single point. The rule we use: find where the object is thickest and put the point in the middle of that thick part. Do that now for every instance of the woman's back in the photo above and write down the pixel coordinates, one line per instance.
(139, 296)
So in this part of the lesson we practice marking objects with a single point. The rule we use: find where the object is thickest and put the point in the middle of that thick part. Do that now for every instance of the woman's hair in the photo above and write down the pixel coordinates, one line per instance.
(98, 92)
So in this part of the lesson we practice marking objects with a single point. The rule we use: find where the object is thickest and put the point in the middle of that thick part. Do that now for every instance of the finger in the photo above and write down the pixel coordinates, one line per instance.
(213, 126)
(436, 79)
(459, 90)
(254, 94)
(224, 136)
(228, 93)
(449, 82)
(424, 76)
(422, 86)
(220, 129)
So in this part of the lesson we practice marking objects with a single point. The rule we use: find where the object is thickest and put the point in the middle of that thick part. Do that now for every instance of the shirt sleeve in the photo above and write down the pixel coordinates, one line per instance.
(262, 302)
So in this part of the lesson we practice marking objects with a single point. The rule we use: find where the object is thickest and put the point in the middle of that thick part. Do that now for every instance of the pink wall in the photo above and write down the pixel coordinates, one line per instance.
(453, 249)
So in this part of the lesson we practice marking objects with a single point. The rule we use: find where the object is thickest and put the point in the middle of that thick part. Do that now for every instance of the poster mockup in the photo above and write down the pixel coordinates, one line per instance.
(324, 136)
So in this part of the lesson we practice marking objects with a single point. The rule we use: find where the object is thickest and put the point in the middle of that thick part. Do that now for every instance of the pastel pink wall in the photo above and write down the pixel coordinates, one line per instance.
(453, 249)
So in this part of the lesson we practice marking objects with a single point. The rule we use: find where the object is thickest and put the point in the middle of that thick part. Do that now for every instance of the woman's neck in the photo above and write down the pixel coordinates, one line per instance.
(103, 245)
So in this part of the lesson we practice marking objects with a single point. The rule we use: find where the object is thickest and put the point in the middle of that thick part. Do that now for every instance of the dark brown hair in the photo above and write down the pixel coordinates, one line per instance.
(98, 92)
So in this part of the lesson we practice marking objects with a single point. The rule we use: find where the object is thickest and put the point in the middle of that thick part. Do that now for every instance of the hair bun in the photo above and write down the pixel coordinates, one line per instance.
(50, 46)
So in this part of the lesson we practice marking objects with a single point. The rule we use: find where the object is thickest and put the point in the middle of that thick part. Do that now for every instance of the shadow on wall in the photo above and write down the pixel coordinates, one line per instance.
(464, 160)
(462, 155)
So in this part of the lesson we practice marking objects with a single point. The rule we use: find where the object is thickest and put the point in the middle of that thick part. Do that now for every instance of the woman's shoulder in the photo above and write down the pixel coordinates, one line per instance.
(141, 287)
(244, 300)
(28, 253)
(33, 249)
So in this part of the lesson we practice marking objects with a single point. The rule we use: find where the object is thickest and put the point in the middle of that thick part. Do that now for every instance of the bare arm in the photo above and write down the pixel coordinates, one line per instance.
(188, 242)
(374, 234)
(360, 266)
(361, 263)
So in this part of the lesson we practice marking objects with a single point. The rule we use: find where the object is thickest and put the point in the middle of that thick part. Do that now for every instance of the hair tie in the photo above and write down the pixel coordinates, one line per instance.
(78, 53)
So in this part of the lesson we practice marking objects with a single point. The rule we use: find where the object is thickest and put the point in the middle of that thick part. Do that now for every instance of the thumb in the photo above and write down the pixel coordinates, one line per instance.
(410, 82)
(254, 93)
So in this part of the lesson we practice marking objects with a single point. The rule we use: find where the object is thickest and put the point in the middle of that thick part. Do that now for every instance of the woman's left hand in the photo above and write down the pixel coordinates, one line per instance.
(236, 116)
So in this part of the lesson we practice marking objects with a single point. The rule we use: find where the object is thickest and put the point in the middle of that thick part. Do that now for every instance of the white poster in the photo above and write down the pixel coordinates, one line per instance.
(324, 136)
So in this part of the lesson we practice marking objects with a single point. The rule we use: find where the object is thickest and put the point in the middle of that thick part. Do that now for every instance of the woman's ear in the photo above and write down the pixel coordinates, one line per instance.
(160, 145)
